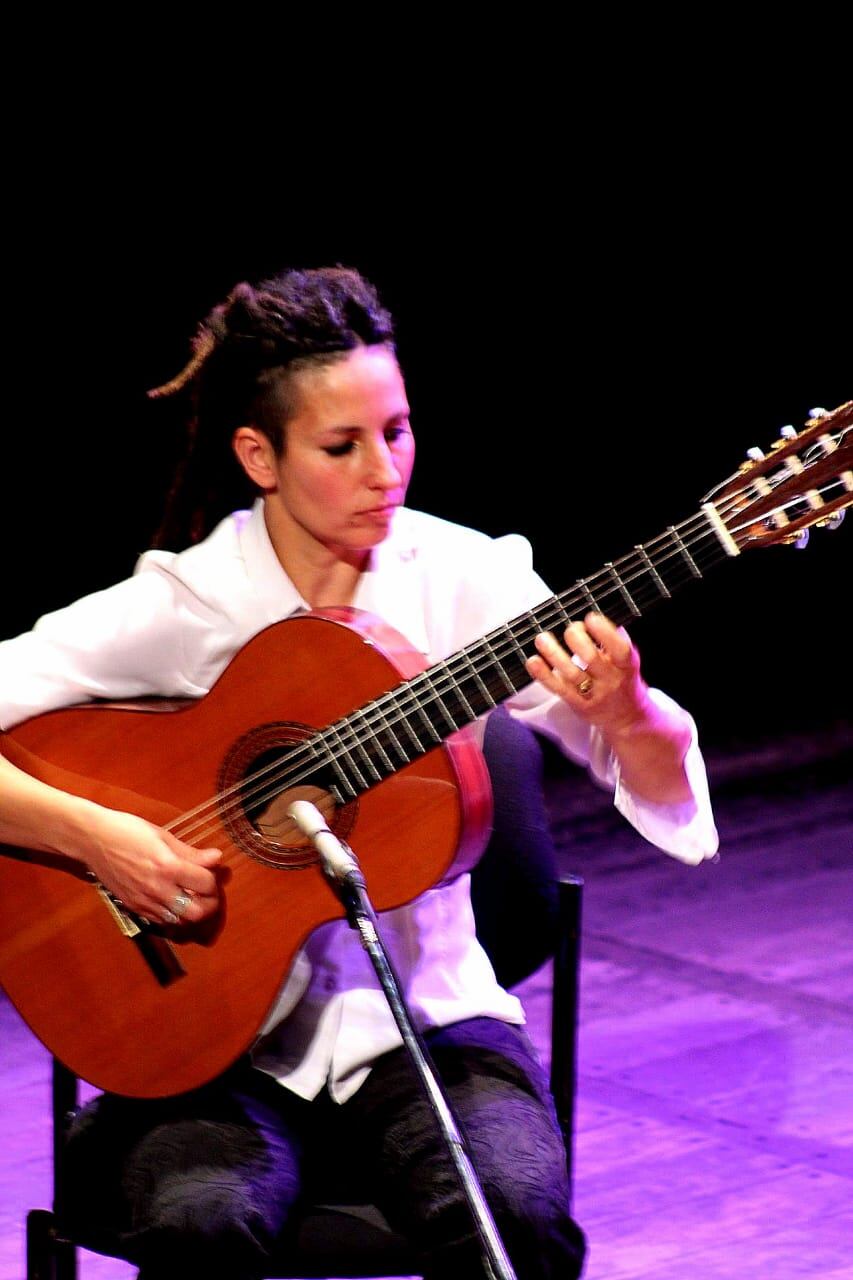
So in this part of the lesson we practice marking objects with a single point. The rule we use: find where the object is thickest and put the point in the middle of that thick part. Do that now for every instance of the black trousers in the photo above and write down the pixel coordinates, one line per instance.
(203, 1184)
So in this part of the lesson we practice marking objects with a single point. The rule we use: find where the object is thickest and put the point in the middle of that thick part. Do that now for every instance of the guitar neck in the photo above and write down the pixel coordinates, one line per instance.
(384, 735)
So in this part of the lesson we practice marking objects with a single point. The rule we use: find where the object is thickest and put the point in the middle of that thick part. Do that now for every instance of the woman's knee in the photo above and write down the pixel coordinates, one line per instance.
(210, 1224)
(217, 1185)
(159, 1189)
(519, 1152)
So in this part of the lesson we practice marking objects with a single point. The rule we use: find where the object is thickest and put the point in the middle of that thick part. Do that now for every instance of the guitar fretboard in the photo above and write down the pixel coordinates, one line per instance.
(383, 736)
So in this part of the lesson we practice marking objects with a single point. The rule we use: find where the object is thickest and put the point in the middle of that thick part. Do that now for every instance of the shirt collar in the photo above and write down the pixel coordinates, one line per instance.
(392, 588)
(273, 587)
(389, 587)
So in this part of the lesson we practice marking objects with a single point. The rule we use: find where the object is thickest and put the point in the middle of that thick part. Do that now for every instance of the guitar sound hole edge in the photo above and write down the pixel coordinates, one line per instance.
(258, 761)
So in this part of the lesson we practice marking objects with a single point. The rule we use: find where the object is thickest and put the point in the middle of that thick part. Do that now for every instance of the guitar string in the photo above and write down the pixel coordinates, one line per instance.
(437, 688)
(242, 792)
(374, 716)
(268, 779)
(357, 736)
(263, 785)
(382, 722)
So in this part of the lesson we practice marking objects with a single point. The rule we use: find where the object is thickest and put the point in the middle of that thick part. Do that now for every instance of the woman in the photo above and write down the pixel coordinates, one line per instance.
(297, 379)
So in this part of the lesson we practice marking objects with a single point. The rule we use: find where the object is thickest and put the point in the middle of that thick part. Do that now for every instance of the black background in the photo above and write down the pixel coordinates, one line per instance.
(593, 334)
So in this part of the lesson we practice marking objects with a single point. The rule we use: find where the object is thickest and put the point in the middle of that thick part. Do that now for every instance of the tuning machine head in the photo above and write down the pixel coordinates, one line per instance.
(800, 540)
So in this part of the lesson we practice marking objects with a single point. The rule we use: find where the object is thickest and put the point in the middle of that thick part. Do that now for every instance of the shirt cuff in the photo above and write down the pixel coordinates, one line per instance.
(686, 830)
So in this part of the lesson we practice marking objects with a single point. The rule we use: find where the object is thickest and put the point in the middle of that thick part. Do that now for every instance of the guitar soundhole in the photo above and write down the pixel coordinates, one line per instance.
(261, 776)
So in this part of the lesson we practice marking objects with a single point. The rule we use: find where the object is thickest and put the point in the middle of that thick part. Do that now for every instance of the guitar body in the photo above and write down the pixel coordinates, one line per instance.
(90, 992)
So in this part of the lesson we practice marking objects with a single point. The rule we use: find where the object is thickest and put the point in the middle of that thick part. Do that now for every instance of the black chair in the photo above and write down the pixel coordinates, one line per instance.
(525, 914)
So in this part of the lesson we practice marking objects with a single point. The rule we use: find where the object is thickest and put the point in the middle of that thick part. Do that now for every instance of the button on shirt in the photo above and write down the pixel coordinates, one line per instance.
(172, 628)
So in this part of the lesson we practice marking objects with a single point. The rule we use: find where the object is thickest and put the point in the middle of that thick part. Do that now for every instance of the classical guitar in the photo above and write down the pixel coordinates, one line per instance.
(346, 716)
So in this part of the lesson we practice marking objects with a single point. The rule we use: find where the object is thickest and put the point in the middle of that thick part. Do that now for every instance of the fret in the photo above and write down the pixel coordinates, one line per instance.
(498, 664)
(438, 700)
(389, 734)
(339, 754)
(588, 596)
(539, 621)
(430, 727)
(557, 603)
(623, 590)
(485, 692)
(376, 741)
(344, 790)
(460, 694)
(409, 701)
(517, 656)
(334, 734)
(680, 544)
(407, 725)
(520, 655)
(374, 746)
(653, 573)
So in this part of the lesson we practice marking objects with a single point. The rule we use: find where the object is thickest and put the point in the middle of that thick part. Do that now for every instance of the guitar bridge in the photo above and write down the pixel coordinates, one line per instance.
(124, 921)
(155, 950)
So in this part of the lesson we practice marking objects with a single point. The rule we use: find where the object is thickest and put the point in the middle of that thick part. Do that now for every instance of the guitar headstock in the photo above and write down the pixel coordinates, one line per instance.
(805, 479)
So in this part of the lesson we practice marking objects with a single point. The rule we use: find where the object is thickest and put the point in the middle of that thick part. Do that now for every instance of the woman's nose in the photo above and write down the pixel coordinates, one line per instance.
(384, 470)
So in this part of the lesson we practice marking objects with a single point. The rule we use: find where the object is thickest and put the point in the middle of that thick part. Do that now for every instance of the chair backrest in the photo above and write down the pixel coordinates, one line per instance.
(526, 911)
(514, 885)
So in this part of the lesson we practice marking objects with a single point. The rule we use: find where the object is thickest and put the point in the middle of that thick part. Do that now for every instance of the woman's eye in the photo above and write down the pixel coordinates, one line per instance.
(393, 436)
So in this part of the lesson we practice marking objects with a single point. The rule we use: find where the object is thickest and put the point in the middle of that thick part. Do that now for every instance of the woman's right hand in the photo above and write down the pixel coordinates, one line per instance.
(147, 868)
(144, 866)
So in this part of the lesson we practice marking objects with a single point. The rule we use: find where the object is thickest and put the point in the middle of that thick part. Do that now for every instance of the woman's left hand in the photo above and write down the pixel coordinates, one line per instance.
(597, 674)
(605, 687)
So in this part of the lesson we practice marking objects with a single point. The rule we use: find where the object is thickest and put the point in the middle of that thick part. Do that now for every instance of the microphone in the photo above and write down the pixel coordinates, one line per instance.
(338, 859)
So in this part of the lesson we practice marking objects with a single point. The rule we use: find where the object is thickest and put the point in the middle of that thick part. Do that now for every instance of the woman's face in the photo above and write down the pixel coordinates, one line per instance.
(348, 453)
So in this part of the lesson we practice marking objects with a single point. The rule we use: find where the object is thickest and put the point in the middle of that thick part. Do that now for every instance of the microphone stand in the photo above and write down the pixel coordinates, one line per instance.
(345, 875)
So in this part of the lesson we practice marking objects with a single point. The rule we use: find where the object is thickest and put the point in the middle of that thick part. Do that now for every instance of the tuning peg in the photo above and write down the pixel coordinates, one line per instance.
(801, 539)
(818, 413)
(786, 433)
(755, 454)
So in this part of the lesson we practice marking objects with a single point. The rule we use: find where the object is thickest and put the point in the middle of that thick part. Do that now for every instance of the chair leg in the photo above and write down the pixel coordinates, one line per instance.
(66, 1260)
(64, 1102)
(40, 1245)
(49, 1255)
(564, 1020)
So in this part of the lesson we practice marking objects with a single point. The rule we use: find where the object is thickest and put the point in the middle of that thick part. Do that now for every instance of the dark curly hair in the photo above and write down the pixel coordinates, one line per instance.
(246, 355)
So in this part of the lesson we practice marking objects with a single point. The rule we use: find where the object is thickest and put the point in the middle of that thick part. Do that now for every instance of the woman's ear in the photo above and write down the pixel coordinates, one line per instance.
(256, 456)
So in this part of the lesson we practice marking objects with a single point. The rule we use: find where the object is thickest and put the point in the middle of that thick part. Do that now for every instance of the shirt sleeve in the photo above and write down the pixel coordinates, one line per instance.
(128, 641)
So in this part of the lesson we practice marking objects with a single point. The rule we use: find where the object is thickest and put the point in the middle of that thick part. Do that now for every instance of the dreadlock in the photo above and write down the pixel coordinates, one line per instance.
(246, 354)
